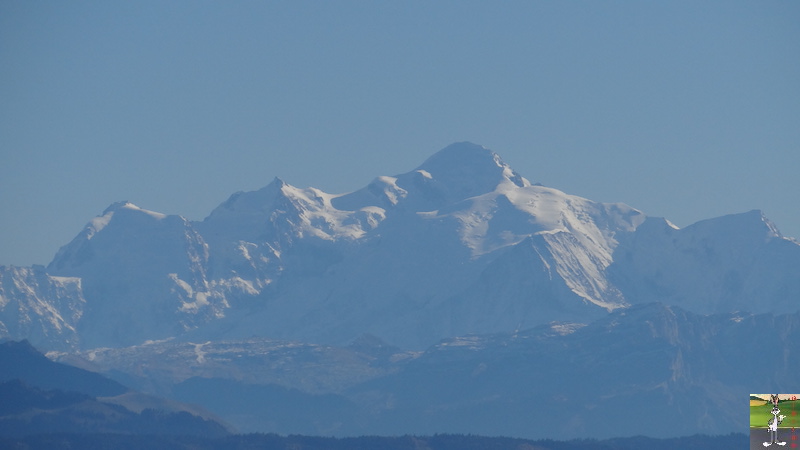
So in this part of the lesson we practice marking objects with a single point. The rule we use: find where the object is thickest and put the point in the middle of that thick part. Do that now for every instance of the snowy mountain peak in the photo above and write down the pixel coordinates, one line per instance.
(123, 218)
(127, 206)
(251, 200)
(752, 223)
(116, 206)
(122, 225)
(467, 169)
(455, 173)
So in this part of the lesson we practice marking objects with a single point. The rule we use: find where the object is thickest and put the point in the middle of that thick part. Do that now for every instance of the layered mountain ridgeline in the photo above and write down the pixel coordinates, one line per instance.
(632, 324)
(649, 369)
(438, 442)
(462, 244)
(21, 361)
(40, 397)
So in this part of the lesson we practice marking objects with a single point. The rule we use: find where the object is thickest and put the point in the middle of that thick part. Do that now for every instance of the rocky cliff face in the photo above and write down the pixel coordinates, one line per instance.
(41, 307)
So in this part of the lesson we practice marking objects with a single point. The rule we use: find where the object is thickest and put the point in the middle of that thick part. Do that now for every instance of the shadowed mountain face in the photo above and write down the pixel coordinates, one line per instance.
(41, 396)
(20, 361)
(462, 244)
(648, 370)
(32, 411)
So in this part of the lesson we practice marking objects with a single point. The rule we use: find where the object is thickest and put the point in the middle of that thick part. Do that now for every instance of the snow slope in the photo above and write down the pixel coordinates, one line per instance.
(462, 244)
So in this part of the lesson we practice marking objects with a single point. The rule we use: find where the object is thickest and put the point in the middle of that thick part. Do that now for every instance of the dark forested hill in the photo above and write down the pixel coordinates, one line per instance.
(39, 396)
(20, 360)
(437, 442)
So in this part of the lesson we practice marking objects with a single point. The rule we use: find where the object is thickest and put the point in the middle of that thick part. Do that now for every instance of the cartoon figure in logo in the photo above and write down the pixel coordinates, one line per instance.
(773, 423)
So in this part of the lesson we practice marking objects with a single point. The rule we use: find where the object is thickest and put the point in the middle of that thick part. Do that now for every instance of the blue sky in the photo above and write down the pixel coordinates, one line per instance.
(686, 110)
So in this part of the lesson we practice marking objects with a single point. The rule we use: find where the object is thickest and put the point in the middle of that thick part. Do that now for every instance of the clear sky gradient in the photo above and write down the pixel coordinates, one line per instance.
(683, 109)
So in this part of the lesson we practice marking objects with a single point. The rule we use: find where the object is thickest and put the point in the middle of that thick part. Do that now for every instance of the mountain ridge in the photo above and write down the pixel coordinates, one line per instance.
(44, 396)
(649, 369)
(456, 297)
(461, 244)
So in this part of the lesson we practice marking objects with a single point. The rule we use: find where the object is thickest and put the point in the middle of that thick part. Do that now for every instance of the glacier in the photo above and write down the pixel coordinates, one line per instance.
(462, 244)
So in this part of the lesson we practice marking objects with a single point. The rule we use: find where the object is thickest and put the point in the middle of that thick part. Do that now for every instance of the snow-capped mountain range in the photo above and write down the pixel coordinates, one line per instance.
(462, 244)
